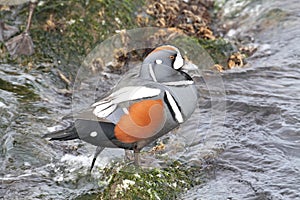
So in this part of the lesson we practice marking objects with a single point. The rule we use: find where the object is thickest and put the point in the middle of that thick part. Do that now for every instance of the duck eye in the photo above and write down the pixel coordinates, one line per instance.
(172, 57)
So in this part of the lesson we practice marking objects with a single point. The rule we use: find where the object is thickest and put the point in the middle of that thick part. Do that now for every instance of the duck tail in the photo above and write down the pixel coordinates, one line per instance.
(69, 133)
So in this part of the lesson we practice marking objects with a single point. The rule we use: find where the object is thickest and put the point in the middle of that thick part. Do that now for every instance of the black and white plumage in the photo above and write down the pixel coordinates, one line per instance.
(143, 106)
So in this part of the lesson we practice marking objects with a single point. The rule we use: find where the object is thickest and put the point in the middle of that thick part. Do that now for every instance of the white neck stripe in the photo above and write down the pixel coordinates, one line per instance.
(152, 74)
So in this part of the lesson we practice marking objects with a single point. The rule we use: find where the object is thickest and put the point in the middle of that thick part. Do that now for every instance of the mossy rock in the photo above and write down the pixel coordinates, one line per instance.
(128, 182)
(63, 32)
(219, 49)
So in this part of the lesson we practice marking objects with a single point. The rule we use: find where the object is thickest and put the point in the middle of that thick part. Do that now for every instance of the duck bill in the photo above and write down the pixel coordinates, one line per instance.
(188, 66)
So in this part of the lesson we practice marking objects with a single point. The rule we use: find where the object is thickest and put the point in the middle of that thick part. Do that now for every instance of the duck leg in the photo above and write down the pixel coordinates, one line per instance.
(98, 151)
(22, 44)
(136, 156)
(1, 31)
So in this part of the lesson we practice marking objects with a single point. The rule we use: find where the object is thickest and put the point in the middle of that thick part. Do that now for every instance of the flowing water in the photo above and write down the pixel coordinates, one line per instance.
(261, 159)
(253, 124)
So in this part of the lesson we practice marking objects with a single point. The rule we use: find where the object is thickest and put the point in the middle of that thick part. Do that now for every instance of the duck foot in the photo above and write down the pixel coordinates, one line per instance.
(6, 31)
(128, 156)
(20, 45)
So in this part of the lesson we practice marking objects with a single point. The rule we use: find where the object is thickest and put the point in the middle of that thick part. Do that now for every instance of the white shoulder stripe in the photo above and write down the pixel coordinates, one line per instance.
(142, 92)
(174, 107)
(106, 106)
(179, 83)
(103, 112)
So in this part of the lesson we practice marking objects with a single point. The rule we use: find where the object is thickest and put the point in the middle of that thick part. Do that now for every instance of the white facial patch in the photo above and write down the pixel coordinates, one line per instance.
(158, 62)
(178, 63)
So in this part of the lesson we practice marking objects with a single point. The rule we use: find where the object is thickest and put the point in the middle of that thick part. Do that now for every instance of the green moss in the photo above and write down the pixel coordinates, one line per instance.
(205, 52)
(195, 51)
(81, 25)
(64, 32)
(218, 49)
(218, 5)
(128, 182)
(23, 92)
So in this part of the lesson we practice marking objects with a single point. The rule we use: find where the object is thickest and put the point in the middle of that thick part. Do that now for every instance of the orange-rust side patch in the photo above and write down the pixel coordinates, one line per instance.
(145, 119)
